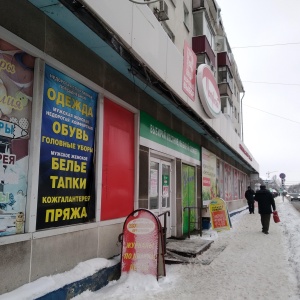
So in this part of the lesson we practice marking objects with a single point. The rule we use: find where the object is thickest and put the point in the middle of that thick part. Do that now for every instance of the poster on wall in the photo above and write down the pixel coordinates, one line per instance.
(16, 88)
(188, 180)
(209, 175)
(153, 183)
(65, 194)
(189, 71)
(228, 182)
(235, 183)
(165, 186)
(220, 179)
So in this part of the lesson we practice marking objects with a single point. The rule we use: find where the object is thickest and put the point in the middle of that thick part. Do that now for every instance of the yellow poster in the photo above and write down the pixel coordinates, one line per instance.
(219, 214)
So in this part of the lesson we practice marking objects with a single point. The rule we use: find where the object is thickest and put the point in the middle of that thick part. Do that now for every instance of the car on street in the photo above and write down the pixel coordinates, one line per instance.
(294, 196)
(274, 193)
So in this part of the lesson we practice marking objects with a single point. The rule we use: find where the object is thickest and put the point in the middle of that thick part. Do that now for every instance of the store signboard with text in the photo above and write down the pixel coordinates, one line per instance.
(208, 91)
(156, 135)
(65, 193)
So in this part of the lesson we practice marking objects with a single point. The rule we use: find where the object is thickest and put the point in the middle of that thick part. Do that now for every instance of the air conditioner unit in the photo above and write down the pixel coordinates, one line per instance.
(162, 13)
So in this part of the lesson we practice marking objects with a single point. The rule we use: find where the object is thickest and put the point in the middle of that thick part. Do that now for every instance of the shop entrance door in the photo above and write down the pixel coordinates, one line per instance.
(160, 191)
(188, 198)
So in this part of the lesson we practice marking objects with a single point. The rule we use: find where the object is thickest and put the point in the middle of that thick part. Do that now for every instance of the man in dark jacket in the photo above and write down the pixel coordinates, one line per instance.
(265, 202)
(249, 195)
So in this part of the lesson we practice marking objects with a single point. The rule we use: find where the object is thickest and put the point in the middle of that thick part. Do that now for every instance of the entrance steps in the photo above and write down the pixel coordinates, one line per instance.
(191, 251)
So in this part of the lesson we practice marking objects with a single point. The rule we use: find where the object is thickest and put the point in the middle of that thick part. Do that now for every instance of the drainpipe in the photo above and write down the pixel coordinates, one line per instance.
(242, 116)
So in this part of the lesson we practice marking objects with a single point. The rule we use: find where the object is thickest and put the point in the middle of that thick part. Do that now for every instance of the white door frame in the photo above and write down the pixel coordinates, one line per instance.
(162, 204)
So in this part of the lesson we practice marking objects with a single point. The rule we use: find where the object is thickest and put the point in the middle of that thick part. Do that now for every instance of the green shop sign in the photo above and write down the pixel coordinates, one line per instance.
(155, 131)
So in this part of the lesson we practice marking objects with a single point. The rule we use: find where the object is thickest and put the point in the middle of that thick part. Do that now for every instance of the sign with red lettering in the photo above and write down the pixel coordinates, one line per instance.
(219, 214)
(142, 244)
(208, 91)
(189, 71)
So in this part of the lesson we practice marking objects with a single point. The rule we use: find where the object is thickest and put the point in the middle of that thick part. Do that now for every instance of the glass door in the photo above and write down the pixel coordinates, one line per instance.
(160, 190)
(188, 198)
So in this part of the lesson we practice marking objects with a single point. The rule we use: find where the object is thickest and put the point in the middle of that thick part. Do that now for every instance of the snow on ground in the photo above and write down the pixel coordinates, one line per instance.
(242, 263)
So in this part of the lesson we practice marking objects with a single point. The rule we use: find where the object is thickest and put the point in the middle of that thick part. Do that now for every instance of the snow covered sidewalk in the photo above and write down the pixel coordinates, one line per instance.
(242, 263)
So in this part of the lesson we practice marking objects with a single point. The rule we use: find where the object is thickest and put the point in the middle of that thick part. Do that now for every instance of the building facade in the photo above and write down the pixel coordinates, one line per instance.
(107, 107)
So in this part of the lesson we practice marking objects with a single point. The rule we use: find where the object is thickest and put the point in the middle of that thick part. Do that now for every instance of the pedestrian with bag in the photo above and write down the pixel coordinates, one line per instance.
(265, 202)
(249, 195)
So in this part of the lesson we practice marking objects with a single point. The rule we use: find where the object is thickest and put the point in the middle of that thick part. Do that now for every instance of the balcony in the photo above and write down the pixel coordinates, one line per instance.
(198, 4)
(223, 60)
(225, 90)
(225, 79)
(201, 45)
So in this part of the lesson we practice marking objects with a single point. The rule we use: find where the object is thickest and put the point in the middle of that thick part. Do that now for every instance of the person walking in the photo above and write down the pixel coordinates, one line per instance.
(265, 202)
(249, 195)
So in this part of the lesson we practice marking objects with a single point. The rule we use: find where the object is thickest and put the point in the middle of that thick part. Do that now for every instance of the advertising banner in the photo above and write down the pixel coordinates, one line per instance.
(236, 183)
(16, 86)
(189, 71)
(142, 244)
(220, 179)
(209, 175)
(208, 91)
(228, 182)
(219, 214)
(188, 198)
(65, 193)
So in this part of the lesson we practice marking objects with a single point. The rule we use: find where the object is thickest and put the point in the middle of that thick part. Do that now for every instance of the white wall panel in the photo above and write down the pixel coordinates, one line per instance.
(217, 124)
(117, 14)
(149, 40)
(174, 70)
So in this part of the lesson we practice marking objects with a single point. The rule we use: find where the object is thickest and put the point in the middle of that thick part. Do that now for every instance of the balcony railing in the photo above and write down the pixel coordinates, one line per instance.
(225, 90)
(223, 60)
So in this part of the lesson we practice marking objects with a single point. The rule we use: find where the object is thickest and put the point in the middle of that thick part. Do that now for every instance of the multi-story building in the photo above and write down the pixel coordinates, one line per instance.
(107, 107)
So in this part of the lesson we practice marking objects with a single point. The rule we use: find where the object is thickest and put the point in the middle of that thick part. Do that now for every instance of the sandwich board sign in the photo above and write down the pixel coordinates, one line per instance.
(142, 248)
(219, 214)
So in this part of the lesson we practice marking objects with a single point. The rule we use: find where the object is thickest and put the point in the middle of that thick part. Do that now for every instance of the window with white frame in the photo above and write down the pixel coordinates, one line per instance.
(224, 76)
(207, 31)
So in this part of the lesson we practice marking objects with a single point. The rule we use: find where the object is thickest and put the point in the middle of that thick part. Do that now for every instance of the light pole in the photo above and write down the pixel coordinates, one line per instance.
(268, 174)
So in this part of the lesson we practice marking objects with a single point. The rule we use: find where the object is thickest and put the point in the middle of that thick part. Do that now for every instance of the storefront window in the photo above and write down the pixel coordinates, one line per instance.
(16, 91)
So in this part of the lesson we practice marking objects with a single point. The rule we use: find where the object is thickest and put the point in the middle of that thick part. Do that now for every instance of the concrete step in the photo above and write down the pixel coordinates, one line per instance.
(183, 251)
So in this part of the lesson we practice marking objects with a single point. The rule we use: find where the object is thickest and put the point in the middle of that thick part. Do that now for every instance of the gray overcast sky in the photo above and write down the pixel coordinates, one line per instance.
(271, 111)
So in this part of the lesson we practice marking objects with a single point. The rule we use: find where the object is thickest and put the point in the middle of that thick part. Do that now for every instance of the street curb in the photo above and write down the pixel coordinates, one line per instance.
(91, 283)
(231, 214)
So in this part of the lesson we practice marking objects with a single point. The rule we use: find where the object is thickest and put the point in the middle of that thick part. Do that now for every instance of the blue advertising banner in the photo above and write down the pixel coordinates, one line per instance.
(66, 184)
